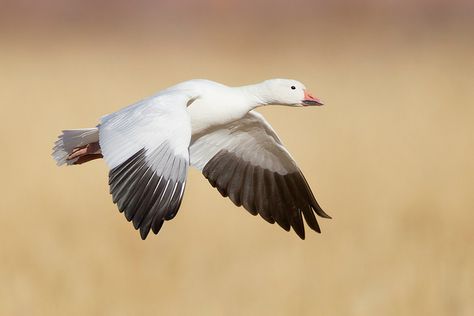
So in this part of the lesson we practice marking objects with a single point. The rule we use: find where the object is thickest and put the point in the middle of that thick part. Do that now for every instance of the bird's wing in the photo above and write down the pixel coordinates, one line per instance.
(246, 161)
(146, 148)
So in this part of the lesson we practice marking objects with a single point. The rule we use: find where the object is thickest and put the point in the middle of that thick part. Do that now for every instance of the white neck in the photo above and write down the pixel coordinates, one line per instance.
(257, 94)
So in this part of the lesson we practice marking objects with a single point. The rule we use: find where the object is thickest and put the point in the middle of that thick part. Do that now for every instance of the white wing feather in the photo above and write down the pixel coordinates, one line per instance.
(250, 138)
(146, 125)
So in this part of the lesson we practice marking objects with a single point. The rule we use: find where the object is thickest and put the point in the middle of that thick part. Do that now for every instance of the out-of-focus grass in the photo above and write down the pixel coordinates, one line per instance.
(389, 157)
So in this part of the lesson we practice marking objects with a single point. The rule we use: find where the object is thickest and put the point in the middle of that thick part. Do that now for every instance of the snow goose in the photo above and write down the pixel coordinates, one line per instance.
(149, 145)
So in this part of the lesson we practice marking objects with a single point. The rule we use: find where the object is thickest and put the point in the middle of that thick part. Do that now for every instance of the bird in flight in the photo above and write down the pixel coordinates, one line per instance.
(149, 146)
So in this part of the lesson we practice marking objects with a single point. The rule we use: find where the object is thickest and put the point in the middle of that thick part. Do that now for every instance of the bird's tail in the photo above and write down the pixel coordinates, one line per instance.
(76, 146)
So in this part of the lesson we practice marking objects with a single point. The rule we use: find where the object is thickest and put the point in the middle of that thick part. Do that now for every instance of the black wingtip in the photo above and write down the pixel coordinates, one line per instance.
(300, 233)
(323, 214)
(144, 232)
(315, 227)
(141, 192)
(156, 226)
(297, 224)
(318, 208)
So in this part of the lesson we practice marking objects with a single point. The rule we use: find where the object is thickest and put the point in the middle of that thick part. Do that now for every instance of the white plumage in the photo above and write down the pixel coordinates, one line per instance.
(149, 145)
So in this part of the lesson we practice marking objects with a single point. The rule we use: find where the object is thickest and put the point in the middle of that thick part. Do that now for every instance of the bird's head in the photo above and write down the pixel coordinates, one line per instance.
(289, 92)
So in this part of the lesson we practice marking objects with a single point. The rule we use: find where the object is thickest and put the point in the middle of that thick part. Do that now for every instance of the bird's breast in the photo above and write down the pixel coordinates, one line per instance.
(207, 112)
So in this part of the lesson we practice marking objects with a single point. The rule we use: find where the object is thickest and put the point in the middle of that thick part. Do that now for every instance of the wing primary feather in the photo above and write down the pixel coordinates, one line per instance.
(281, 201)
(167, 207)
(128, 189)
(155, 228)
(262, 198)
(303, 184)
(162, 207)
(300, 202)
(171, 215)
(314, 203)
(221, 160)
(155, 217)
(146, 223)
(150, 202)
(307, 210)
(236, 183)
(296, 221)
(295, 206)
(248, 197)
(134, 207)
(140, 186)
(225, 177)
(119, 169)
(146, 200)
(123, 192)
(118, 184)
(157, 208)
(148, 206)
(310, 218)
(178, 197)
(161, 214)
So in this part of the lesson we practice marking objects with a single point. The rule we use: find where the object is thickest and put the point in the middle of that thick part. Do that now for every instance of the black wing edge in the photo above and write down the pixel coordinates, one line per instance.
(284, 199)
(145, 197)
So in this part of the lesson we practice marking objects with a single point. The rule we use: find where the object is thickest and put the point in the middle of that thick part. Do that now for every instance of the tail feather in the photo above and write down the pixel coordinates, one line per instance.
(70, 139)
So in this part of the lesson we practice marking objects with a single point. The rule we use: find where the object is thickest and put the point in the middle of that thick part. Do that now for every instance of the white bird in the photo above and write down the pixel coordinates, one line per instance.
(149, 145)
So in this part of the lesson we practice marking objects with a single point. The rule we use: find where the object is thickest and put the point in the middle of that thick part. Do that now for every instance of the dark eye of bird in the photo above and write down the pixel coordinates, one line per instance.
(293, 87)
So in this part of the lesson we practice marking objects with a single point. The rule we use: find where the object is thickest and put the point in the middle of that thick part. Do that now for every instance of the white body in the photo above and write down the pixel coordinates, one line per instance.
(148, 146)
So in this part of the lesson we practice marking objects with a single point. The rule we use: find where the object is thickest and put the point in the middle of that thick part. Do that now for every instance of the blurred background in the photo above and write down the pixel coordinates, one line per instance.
(390, 157)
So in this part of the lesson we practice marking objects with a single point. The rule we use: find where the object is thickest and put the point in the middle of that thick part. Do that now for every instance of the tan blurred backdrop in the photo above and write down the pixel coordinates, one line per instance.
(390, 157)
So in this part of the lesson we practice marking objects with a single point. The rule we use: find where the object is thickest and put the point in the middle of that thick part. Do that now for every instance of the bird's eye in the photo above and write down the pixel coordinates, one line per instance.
(293, 87)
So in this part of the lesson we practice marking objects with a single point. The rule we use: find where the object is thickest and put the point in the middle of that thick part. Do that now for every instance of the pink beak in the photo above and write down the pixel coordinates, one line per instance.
(310, 100)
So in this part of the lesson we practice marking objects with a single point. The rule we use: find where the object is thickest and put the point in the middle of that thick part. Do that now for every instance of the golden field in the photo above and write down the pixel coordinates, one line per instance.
(390, 157)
